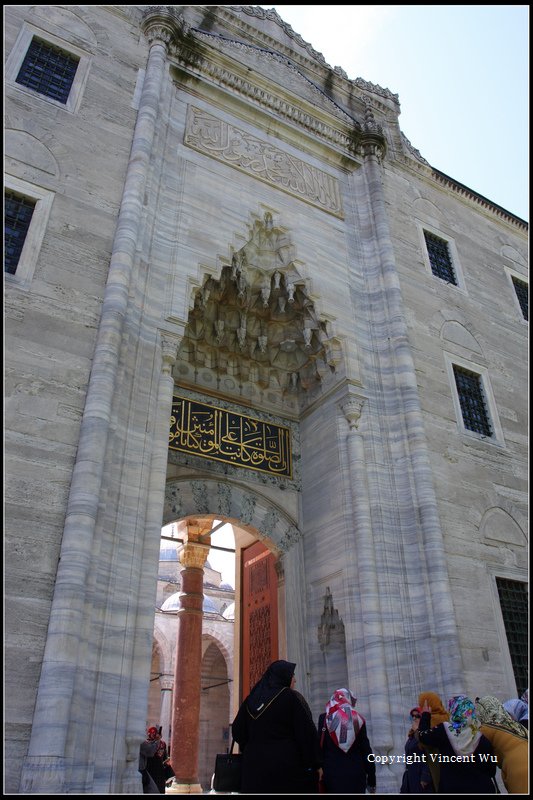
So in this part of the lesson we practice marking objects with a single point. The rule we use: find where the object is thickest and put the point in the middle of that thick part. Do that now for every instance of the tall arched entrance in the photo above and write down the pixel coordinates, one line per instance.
(224, 664)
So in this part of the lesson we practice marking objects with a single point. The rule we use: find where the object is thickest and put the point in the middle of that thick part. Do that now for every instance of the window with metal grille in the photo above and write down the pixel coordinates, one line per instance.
(48, 70)
(440, 258)
(521, 289)
(514, 606)
(472, 400)
(18, 212)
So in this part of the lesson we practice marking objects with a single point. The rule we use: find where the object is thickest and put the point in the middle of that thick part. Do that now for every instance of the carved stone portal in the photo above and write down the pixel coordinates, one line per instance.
(255, 328)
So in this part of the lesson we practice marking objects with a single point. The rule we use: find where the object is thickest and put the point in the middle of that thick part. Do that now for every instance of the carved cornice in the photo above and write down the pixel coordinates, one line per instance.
(269, 102)
(271, 14)
(464, 191)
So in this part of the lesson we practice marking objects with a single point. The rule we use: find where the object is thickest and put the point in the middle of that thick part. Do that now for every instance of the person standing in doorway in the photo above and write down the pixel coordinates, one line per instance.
(277, 736)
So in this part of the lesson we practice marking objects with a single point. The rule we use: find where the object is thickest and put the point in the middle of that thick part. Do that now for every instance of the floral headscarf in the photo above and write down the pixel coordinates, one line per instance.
(438, 712)
(463, 727)
(491, 712)
(342, 720)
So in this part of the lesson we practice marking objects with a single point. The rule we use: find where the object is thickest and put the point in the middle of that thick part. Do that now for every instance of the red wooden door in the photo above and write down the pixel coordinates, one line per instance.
(259, 604)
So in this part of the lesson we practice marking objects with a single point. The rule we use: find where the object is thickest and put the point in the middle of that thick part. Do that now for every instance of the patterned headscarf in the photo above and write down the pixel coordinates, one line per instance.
(491, 712)
(463, 728)
(438, 712)
(342, 720)
(517, 709)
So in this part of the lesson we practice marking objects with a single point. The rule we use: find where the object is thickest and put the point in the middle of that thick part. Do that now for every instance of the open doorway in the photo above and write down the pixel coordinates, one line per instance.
(240, 588)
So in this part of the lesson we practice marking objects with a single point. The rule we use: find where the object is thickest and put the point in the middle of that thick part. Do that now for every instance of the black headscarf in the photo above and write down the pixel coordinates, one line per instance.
(277, 677)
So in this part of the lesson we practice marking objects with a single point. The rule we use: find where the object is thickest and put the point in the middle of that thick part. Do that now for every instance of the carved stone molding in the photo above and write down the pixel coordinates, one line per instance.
(272, 103)
(271, 14)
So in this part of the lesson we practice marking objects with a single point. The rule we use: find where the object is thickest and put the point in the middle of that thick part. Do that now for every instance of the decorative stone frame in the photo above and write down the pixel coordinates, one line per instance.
(18, 53)
(457, 268)
(34, 238)
(497, 435)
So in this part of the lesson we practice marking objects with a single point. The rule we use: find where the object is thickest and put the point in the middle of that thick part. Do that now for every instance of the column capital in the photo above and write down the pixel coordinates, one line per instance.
(194, 554)
(352, 408)
(169, 350)
(163, 24)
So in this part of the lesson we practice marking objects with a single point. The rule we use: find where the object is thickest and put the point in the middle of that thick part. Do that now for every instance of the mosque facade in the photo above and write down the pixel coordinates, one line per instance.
(236, 293)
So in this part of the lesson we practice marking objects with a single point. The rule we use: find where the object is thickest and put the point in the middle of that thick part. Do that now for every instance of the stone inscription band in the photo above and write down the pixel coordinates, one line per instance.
(239, 149)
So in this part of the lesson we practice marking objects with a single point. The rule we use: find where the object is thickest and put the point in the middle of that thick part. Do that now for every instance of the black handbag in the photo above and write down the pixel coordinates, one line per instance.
(227, 775)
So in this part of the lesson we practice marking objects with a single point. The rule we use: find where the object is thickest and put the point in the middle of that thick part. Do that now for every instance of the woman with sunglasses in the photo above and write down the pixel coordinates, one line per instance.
(417, 777)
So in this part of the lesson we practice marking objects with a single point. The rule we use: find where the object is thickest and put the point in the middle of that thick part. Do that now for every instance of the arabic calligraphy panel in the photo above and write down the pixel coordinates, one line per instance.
(223, 435)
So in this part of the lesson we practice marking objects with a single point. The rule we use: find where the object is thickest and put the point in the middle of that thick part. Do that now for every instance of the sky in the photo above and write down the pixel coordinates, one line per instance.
(461, 75)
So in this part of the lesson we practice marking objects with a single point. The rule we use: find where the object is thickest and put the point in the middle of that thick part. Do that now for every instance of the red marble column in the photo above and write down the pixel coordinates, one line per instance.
(185, 738)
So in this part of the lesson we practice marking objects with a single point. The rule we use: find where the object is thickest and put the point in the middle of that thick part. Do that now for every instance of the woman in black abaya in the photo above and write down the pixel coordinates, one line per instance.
(277, 737)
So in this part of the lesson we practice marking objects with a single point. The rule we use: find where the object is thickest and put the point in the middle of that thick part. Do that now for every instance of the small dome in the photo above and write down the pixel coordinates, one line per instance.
(172, 603)
(229, 613)
(168, 554)
(227, 587)
(209, 606)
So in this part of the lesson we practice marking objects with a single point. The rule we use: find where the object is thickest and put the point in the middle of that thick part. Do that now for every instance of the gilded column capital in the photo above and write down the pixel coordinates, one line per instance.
(352, 409)
(162, 24)
(194, 554)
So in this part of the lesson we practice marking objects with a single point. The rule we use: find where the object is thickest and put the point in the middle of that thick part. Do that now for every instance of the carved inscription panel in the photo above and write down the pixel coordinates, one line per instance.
(258, 158)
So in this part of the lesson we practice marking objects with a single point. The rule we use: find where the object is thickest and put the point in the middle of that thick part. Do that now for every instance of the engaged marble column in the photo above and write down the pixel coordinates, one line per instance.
(376, 674)
(46, 765)
(371, 147)
(185, 740)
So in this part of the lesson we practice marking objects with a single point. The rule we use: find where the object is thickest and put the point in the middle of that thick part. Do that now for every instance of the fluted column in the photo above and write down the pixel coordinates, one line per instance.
(374, 655)
(185, 740)
(372, 149)
(45, 766)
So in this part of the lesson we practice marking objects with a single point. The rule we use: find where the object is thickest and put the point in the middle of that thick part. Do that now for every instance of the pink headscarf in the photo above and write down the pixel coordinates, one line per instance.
(342, 720)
